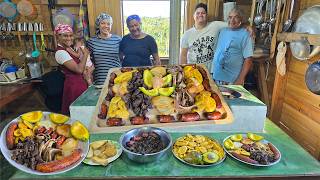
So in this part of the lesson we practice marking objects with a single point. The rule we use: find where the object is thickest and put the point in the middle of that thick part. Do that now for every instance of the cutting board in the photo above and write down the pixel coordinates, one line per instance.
(95, 128)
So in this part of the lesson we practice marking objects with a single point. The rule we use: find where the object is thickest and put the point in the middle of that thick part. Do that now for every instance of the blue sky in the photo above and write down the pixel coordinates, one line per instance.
(147, 8)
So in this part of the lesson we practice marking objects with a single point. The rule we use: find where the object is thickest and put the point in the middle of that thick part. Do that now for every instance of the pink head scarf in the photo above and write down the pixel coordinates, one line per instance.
(63, 28)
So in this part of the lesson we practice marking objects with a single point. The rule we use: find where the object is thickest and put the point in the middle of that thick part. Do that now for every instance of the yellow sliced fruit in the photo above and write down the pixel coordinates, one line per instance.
(26, 132)
(147, 78)
(21, 125)
(28, 124)
(58, 118)
(236, 137)
(123, 77)
(157, 82)
(245, 153)
(166, 91)
(254, 137)
(197, 75)
(152, 92)
(17, 132)
(79, 131)
(167, 79)
(158, 71)
(228, 144)
(32, 117)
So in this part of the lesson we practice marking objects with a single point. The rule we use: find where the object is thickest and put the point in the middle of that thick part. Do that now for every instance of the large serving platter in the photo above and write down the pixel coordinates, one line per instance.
(263, 141)
(96, 121)
(83, 145)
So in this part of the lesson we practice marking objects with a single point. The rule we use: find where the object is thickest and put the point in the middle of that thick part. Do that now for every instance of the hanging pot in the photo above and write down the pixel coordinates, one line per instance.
(8, 10)
(308, 23)
(312, 77)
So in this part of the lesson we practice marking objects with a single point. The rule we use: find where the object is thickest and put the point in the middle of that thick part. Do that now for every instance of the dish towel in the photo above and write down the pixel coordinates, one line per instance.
(280, 59)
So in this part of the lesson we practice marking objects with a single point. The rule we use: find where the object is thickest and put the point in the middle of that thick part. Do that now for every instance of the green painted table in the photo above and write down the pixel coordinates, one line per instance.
(295, 162)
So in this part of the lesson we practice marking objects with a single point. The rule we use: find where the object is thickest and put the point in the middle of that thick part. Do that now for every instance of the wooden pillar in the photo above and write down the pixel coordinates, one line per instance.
(213, 11)
(111, 7)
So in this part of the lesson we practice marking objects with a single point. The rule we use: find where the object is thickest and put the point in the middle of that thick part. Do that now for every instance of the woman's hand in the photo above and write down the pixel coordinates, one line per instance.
(85, 51)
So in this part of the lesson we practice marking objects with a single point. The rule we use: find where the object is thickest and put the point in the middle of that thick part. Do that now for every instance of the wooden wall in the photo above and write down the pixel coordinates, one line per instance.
(295, 109)
(11, 48)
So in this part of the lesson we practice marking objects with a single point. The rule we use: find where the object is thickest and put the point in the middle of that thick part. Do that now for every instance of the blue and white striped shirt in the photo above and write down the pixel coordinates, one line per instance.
(105, 55)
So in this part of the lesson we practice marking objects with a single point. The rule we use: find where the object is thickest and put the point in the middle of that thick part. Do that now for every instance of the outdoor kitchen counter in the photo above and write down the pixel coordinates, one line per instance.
(248, 111)
(295, 162)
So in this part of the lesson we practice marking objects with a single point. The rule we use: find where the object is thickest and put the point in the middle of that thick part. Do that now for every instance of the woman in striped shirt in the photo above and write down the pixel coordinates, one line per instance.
(104, 48)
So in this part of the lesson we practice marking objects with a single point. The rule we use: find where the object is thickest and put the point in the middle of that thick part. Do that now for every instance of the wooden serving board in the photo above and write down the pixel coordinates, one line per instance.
(95, 128)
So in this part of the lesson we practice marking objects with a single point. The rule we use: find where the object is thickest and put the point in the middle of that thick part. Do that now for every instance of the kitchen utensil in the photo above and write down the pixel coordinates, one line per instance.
(26, 44)
(258, 19)
(288, 23)
(25, 7)
(8, 10)
(41, 27)
(43, 45)
(309, 23)
(35, 70)
(25, 26)
(312, 77)
(63, 16)
(30, 26)
(300, 49)
(35, 27)
(36, 52)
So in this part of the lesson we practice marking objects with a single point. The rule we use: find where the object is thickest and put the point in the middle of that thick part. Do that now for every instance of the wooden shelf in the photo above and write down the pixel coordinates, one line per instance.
(314, 39)
(23, 33)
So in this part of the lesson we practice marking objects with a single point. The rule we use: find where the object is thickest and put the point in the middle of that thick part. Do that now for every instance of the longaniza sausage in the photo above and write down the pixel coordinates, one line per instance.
(244, 158)
(165, 118)
(190, 117)
(275, 151)
(60, 164)
(9, 135)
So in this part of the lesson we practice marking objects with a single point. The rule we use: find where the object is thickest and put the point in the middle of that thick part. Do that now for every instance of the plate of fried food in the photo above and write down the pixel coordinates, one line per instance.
(198, 150)
(103, 152)
(251, 149)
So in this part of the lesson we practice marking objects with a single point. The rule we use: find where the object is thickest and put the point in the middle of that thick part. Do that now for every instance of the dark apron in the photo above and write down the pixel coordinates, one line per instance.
(74, 85)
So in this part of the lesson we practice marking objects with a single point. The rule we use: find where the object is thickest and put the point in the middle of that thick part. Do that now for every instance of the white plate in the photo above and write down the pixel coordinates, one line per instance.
(262, 141)
(7, 153)
(113, 158)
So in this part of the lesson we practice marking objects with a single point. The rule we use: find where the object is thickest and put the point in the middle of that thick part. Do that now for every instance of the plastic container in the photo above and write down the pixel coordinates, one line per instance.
(35, 70)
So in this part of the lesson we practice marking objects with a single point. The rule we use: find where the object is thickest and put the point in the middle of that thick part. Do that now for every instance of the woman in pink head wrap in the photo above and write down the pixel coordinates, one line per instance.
(71, 66)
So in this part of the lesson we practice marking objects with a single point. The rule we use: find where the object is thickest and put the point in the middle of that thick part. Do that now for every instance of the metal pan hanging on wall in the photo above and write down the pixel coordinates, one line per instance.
(63, 16)
(312, 77)
(8, 10)
(308, 23)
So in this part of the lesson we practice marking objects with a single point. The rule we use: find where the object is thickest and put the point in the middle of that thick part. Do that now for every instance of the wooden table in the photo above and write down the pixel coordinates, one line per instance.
(11, 92)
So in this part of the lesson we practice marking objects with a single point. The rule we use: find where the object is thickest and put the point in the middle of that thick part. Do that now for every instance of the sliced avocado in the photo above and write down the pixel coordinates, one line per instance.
(166, 91)
(152, 92)
(193, 157)
(147, 78)
(210, 157)
(236, 137)
(228, 144)
(167, 79)
(254, 137)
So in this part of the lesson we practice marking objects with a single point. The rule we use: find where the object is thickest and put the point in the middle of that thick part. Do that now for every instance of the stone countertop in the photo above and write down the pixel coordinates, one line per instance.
(295, 162)
(248, 111)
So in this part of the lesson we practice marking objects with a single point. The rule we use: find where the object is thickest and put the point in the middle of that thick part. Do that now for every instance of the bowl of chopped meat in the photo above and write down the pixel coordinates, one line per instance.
(145, 144)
